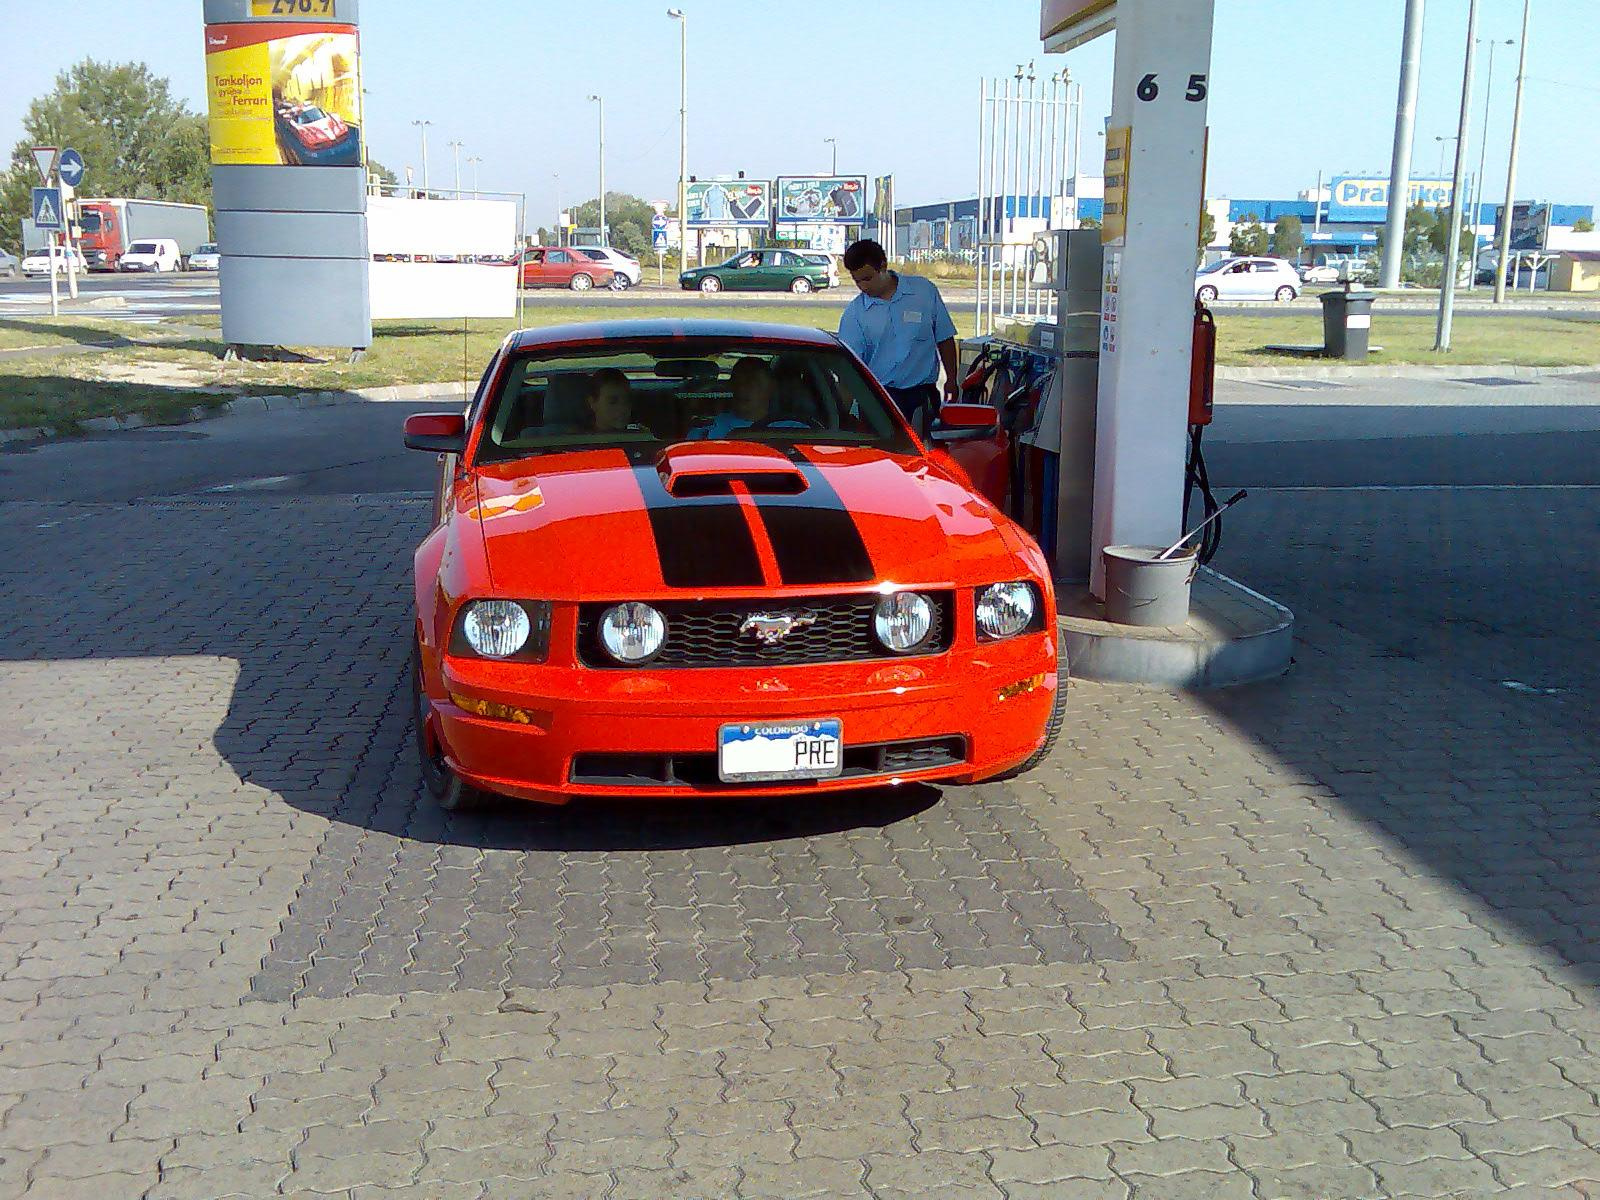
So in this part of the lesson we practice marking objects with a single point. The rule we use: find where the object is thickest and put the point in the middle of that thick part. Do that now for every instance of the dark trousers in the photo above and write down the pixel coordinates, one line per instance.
(917, 404)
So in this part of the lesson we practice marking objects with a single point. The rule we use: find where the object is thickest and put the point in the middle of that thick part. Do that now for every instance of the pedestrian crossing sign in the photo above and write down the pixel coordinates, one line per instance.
(46, 208)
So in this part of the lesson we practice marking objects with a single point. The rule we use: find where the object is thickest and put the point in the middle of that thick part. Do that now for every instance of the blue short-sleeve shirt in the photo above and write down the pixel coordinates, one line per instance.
(899, 338)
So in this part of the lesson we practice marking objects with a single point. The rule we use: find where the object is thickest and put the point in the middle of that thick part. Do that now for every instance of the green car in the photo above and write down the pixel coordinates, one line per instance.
(761, 271)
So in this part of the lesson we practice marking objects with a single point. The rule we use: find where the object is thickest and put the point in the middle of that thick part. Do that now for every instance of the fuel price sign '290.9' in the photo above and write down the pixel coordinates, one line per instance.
(284, 94)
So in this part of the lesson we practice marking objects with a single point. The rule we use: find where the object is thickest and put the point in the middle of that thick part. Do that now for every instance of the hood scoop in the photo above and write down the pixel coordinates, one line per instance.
(708, 468)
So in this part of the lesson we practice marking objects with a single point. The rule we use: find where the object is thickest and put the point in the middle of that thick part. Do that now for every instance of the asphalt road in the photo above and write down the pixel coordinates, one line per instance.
(1382, 433)
(151, 297)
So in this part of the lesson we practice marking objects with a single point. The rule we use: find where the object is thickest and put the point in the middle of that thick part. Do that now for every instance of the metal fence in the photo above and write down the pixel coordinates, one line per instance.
(1029, 134)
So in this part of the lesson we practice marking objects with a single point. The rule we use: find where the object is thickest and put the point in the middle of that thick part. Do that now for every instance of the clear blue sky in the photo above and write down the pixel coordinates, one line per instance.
(1296, 87)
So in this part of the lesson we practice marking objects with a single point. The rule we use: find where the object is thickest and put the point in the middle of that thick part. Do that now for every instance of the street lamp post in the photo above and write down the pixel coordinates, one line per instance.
(1511, 167)
(600, 100)
(423, 125)
(474, 159)
(1442, 142)
(1483, 153)
(1452, 250)
(834, 142)
(560, 224)
(677, 14)
(1394, 236)
(455, 146)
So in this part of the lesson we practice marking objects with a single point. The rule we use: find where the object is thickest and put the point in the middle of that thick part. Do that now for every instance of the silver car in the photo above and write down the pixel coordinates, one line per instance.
(1247, 279)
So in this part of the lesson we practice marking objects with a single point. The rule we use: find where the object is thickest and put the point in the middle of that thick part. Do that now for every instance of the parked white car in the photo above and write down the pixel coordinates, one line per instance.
(1319, 273)
(9, 264)
(41, 262)
(155, 254)
(628, 272)
(827, 259)
(205, 258)
(1247, 279)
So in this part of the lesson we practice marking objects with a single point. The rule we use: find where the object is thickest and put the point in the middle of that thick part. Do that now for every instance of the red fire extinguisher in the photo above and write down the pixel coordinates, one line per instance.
(1203, 366)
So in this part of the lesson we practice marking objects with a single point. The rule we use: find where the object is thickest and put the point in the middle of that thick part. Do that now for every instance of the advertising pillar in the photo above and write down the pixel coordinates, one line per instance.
(288, 174)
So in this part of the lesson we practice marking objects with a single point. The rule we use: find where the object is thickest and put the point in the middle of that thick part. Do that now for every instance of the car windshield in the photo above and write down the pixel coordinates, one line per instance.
(648, 394)
(1217, 266)
(308, 114)
(88, 220)
(207, 248)
(143, 248)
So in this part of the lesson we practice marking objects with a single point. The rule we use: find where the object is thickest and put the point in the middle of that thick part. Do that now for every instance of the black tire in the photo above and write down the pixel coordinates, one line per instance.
(581, 282)
(620, 282)
(801, 286)
(710, 284)
(1206, 294)
(443, 784)
(1285, 294)
(1052, 731)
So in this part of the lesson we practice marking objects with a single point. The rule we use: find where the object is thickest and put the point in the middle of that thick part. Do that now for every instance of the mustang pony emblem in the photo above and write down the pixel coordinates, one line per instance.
(772, 628)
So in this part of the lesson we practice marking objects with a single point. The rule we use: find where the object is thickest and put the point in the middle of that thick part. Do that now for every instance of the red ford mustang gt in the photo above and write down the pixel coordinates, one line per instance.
(690, 557)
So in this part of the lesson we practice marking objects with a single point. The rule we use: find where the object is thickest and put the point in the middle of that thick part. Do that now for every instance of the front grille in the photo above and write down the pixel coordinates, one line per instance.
(700, 769)
(706, 634)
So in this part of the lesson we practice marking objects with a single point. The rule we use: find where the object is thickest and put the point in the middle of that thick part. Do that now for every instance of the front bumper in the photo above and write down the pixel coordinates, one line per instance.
(574, 711)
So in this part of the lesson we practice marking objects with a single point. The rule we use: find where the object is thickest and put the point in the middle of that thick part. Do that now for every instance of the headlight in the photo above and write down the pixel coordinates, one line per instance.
(632, 632)
(903, 621)
(1006, 609)
(504, 629)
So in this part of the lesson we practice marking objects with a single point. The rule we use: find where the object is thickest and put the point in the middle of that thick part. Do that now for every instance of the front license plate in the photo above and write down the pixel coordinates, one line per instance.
(758, 752)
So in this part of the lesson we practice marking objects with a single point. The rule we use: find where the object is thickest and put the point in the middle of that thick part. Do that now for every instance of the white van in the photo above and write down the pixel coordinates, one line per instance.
(152, 254)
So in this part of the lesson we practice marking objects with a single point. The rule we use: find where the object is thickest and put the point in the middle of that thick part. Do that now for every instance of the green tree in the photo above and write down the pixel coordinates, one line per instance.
(1208, 228)
(1416, 241)
(628, 218)
(1248, 237)
(384, 174)
(1438, 232)
(1583, 225)
(136, 139)
(1288, 237)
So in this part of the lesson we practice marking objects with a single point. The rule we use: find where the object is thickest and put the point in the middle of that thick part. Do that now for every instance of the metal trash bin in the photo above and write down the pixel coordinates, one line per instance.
(1346, 322)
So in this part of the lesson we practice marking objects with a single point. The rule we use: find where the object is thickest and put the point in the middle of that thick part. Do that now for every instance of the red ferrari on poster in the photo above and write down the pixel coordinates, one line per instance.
(675, 557)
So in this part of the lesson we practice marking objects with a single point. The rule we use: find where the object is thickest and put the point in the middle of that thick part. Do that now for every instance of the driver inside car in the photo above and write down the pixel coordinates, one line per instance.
(754, 389)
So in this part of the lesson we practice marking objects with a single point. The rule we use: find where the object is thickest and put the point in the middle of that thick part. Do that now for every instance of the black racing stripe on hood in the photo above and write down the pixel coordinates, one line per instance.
(701, 541)
(813, 536)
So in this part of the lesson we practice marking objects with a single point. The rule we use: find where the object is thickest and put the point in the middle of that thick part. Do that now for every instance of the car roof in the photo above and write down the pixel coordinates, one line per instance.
(657, 328)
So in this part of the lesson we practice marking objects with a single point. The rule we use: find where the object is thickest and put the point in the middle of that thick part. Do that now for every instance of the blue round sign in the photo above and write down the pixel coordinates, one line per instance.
(71, 168)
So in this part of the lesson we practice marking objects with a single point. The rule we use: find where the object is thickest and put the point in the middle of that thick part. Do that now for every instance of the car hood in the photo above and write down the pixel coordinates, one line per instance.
(597, 525)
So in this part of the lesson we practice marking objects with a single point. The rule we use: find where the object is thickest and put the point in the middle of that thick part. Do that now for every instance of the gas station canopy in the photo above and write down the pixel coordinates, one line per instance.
(1064, 24)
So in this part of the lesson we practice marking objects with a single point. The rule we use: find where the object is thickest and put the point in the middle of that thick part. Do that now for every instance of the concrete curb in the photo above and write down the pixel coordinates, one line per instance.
(239, 405)
(1400, 371)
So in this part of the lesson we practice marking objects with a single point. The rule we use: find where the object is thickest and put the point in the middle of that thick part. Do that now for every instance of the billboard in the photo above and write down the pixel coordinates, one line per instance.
(1530, 225)
(284, 93)
(442, 258)
(721, 202)
(1359, 198)
(883, 199)
(815, 200)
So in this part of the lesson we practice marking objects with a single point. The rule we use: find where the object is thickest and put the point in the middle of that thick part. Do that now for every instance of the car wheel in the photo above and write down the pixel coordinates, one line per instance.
(801, 286)
(581, 283)
(443, 784)
(710, 284)
(1285, 294)
(1052, 731)
(1206, 294)
(620, 282)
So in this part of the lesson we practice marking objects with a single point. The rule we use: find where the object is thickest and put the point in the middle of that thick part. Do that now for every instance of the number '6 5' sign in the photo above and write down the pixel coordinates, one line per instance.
(1149, 89)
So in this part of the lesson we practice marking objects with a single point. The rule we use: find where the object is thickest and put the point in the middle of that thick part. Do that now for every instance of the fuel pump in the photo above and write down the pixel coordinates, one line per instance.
(1202, 386)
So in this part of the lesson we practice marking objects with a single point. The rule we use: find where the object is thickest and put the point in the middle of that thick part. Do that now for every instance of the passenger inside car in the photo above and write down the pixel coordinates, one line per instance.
(610, 401)
(755, 388)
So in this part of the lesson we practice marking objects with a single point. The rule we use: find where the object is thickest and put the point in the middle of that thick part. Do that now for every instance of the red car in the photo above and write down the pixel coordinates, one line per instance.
(674, 558)
(555, 266)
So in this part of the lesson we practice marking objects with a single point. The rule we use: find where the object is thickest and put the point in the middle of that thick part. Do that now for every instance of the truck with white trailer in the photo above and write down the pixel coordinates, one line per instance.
(108, 226)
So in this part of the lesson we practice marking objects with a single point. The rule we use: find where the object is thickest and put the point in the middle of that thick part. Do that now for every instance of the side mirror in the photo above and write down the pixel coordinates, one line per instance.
(964, 422)
(440, 433)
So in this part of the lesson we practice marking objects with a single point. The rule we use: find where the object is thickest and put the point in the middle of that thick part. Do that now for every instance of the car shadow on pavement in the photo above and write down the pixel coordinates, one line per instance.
(1444, 695)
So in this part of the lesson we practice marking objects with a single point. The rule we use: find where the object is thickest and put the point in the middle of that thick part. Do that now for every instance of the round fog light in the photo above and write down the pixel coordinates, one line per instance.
(903, 621)
(1005, 609)
(632, 632)
(495, 628)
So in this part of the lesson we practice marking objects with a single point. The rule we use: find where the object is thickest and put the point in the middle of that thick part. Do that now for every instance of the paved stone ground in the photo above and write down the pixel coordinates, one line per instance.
(1328, 937)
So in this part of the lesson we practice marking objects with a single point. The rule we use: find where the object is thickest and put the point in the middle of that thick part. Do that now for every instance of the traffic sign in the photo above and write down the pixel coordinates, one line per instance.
(71, 168)
(46, 208)
(658, 239)
(659, 221)
(44, 157)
